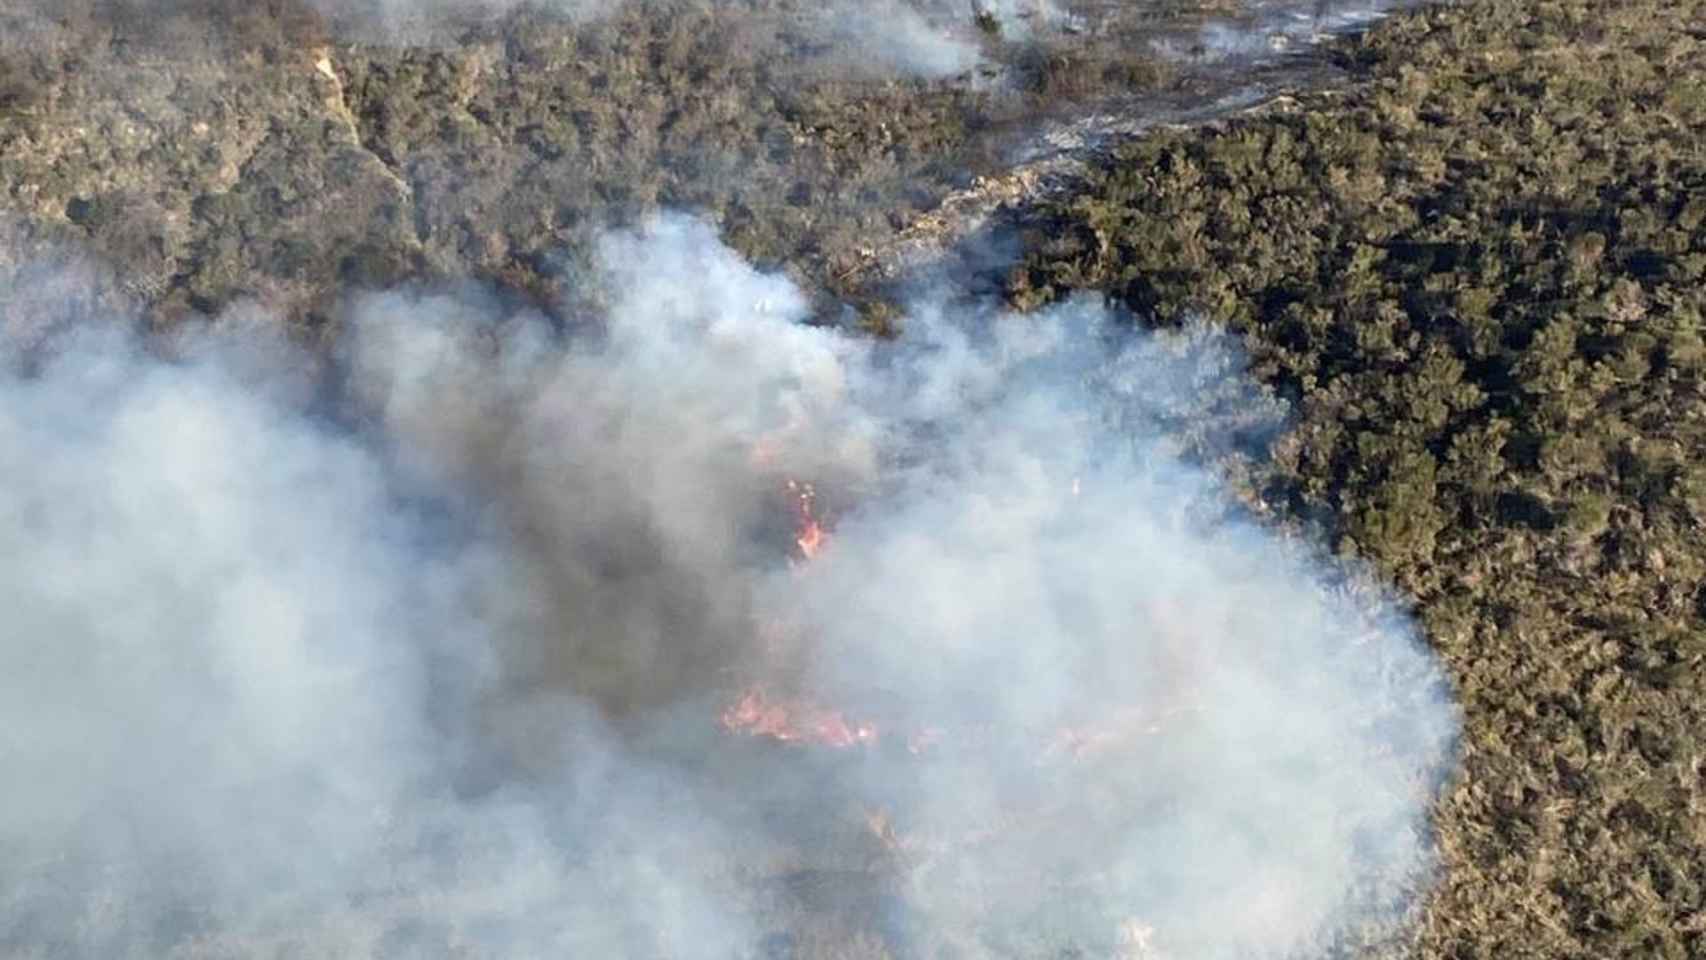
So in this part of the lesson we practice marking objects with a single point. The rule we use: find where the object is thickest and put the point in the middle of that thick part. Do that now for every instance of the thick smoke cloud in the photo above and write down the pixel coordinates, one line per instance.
(435, 669)
(893, 36)
(1047, 566)
(238, 661)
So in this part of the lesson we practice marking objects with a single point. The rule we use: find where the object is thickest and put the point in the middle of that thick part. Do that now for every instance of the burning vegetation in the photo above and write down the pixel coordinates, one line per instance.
(798, 720)
(758, 714)
(661, 657)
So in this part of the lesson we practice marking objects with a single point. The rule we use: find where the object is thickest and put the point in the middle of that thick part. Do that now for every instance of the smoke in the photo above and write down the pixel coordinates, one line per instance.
(1038, 561)
(419, 22)
(1267, 28)
(893, 36)
(433, 668)
(930, 39)
(909, 37)
(241, 662)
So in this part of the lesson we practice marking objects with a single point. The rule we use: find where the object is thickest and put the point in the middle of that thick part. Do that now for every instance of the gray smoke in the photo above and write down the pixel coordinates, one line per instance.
(428, 21)
(1265, 29)
(894, 36)
(436, 670)
(922, 38)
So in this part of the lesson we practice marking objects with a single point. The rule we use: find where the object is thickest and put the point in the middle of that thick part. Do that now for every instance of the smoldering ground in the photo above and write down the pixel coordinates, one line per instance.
(435, 670)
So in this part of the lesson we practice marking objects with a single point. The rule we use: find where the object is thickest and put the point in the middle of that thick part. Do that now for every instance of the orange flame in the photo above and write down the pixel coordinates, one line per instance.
(798, 721)
(793, 721)
(810, 537)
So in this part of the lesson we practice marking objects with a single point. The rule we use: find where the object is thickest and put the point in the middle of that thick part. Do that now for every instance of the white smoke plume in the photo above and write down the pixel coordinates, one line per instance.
(924, 38)
(429, 21)
(434, 668)
(897, 37)
(1263, 29)
(930, 39)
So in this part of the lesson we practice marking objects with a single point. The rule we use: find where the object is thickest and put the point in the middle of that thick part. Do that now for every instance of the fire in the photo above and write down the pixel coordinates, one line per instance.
(760, 713)
(797, 720)
(756, 714)
(810, 537)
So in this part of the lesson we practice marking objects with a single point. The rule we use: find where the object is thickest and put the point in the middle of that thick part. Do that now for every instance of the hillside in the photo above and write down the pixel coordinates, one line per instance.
(212, 151)
(1463, 253)
(1480, 278)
